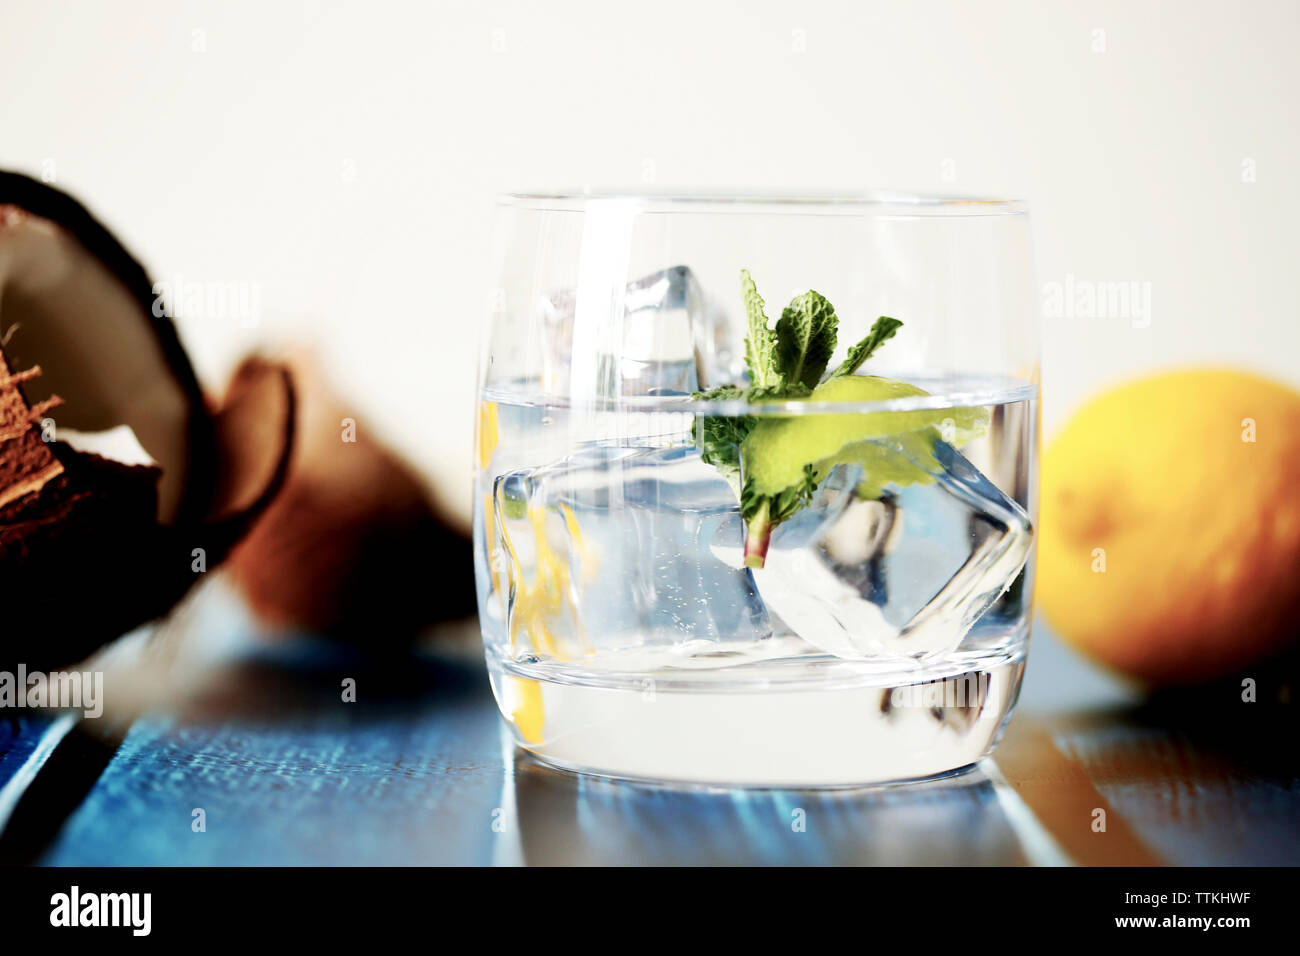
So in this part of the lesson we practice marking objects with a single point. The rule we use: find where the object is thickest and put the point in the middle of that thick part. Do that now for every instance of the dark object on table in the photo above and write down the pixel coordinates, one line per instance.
(355, 548)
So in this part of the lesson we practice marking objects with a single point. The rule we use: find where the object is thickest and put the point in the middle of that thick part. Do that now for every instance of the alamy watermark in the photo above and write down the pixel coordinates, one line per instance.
(64, 690)
(215, 300)
(968, 690)
(75, 908)
(1073, 298)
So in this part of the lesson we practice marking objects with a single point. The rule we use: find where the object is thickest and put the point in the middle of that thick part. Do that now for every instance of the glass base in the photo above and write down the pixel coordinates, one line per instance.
(810, 722)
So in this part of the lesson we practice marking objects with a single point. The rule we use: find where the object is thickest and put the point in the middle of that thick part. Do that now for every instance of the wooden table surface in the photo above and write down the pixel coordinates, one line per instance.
(417, 772)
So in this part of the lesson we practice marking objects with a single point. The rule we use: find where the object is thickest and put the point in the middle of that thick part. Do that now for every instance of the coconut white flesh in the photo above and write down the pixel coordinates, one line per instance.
(96, 350)
(119, 444)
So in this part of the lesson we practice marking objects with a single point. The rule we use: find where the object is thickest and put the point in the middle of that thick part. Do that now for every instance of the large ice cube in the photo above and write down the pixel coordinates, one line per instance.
(658, 335)
(903, 572)
(609, 550)
(621, 547)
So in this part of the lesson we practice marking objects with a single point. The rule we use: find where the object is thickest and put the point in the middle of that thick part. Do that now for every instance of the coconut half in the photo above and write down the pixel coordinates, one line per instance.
(119, 485)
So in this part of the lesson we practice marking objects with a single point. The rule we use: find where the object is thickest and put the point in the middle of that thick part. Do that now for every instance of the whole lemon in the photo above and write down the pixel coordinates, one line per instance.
(1169, 544)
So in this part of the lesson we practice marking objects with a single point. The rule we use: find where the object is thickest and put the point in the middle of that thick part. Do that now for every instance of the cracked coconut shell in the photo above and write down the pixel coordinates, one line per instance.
(94, 542)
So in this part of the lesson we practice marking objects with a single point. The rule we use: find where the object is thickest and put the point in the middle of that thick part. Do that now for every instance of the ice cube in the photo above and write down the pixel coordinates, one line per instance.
(609, 550)
(658, 335)
(904, 574)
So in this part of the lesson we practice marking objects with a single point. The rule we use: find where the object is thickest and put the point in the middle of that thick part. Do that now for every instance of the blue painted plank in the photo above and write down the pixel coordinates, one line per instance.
(20, 735)
(416, 772)
(425, 778)
(347, 785)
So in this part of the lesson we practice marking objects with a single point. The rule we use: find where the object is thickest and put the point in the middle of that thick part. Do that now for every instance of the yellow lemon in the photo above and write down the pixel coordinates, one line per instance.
(1169, 544)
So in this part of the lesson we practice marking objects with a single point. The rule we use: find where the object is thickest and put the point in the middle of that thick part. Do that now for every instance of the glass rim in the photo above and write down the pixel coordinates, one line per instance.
(973, 395)
(821, 202)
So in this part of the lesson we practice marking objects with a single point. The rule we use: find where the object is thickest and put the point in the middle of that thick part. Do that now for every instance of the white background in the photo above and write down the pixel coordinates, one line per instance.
(343, 156)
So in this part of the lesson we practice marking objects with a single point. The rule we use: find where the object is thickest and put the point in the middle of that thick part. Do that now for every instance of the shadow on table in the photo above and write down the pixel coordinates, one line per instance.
(311, 681)
(1197, 777)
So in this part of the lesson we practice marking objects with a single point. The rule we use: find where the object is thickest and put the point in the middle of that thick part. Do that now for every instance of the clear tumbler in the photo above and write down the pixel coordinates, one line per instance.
(756, 483)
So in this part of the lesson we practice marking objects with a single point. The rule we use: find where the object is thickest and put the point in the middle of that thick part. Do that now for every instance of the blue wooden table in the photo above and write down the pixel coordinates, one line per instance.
(417, 771)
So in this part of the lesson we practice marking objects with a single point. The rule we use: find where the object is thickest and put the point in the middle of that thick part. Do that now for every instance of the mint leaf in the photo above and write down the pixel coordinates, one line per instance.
(805, 338)
(776, 393)
(719, 436)
(762, 513)
(784, 363)
(760, 344)
(721, 393)
(880, 333)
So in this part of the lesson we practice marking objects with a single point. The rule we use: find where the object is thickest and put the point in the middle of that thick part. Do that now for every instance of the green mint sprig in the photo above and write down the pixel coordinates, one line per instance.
(760, 343)
(785, 362)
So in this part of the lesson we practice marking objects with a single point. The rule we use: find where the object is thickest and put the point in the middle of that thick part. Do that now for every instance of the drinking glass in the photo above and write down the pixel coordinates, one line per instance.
(821, 576)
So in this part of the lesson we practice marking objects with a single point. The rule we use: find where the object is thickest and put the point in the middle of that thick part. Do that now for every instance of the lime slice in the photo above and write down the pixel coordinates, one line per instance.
(893, 447)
